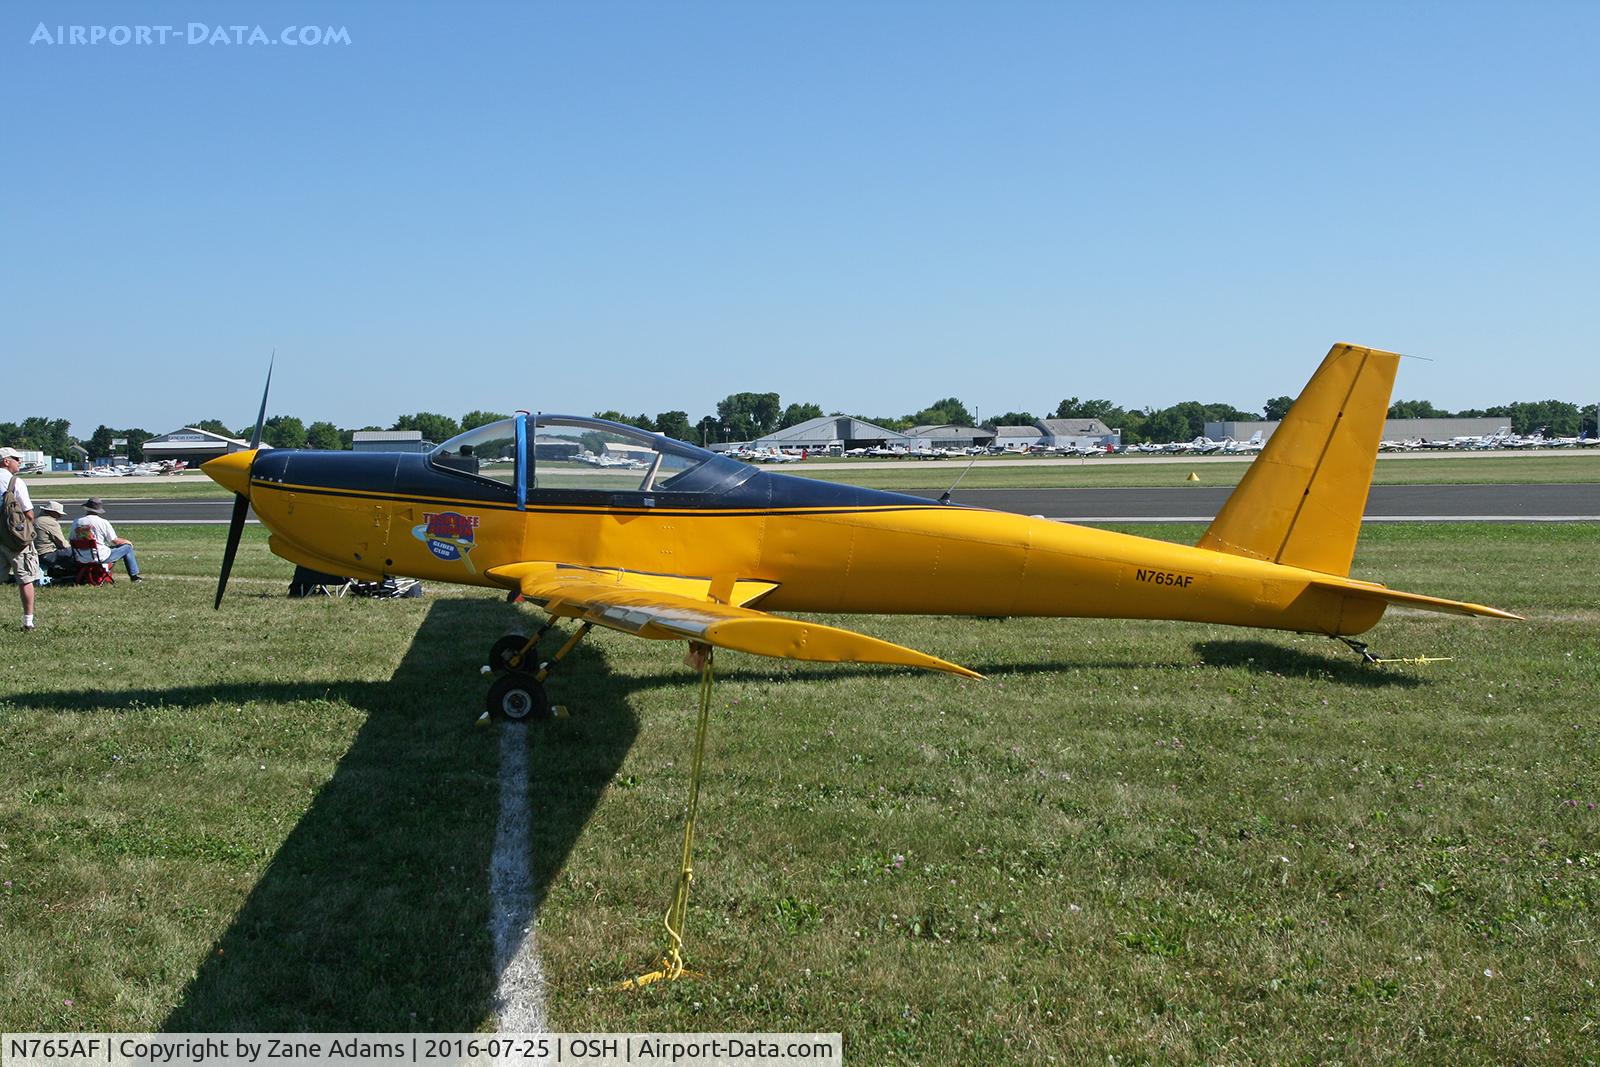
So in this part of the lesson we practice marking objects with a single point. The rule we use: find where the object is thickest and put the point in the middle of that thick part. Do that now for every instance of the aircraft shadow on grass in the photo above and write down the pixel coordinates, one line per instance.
(1264, 657)
(366, 918)
(366, 914)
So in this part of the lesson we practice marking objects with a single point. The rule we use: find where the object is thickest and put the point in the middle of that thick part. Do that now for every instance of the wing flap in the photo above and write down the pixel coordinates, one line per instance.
(653, 609)
(740, 592)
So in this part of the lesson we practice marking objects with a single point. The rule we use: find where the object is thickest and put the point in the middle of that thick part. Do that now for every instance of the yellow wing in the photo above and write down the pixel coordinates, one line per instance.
(668, 607)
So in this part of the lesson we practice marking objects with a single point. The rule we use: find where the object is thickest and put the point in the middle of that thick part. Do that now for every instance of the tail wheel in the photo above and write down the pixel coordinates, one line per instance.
(502, 650)
(518, 698)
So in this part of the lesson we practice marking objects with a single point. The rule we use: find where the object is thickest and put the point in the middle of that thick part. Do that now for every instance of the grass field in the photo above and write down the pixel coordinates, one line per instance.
(1153, 842)
(186, 487)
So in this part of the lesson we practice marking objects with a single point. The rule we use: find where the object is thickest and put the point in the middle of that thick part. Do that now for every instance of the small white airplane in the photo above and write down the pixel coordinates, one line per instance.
(773, 455)
(607, 461)
(1501, 438)
(1230, 447)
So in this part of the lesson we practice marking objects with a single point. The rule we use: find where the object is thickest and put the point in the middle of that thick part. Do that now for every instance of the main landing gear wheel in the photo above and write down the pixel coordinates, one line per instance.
(501, 652)
(517, 697)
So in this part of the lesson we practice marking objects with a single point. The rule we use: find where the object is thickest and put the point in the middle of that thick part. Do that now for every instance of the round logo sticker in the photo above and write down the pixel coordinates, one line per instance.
(447, 534)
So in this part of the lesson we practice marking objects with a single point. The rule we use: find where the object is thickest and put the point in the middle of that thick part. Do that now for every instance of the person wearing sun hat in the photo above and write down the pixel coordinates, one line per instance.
(22, 562)
(109, 547)
(55, 551)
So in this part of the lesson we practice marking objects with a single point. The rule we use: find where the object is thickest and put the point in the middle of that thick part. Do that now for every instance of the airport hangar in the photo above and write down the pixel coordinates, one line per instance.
(192, 446)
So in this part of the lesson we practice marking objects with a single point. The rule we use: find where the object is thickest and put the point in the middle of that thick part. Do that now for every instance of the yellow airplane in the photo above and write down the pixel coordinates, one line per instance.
(617, 527)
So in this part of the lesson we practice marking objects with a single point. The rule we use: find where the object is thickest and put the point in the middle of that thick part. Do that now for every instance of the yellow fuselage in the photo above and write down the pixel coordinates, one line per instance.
(879, 553)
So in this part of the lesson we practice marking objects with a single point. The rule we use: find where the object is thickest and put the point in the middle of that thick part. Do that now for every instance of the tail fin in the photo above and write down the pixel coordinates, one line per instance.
(1301, 501)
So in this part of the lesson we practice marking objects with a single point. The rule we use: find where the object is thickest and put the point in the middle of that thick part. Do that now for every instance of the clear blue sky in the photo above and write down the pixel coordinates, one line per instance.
(582, 206)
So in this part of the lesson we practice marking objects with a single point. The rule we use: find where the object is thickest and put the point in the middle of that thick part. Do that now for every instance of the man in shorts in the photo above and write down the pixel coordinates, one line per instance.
(24, 563)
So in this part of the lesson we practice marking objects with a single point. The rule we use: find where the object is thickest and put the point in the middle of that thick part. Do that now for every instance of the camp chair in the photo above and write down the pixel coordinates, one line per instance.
(308, 582)
(86, 550)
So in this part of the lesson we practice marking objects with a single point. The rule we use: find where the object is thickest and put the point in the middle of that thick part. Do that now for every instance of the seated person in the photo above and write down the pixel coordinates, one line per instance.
(110, 547)
(55, 551)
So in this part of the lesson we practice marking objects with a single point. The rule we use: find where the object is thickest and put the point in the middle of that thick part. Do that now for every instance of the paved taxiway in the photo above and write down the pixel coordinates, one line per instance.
(1386, 503)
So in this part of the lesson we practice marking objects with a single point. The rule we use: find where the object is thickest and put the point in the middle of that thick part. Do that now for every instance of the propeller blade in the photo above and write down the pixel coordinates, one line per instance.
(241, 501)
(261, 417)
(241, 506)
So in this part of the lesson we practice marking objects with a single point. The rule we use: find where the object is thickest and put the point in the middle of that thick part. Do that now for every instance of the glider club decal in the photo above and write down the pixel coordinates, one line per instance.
(448, 534)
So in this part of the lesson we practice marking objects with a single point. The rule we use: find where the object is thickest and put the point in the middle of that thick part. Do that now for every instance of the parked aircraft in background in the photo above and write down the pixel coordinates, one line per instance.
(1243, 448)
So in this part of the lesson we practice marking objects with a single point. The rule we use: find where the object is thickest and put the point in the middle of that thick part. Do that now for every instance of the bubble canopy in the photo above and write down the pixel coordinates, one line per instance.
(568, 452)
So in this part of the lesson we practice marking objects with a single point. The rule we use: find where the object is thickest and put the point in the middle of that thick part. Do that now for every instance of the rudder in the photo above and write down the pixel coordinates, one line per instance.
(1301, 501)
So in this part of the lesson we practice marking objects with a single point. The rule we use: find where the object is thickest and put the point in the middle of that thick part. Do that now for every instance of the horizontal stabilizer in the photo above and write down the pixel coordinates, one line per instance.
(1368, 591)
(637, 604)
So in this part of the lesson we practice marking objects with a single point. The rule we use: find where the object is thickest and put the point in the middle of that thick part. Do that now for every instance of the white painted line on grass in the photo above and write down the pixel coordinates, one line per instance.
(520, 990)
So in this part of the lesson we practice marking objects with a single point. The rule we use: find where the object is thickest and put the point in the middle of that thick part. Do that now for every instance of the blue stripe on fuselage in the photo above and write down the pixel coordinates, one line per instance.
(405, 474)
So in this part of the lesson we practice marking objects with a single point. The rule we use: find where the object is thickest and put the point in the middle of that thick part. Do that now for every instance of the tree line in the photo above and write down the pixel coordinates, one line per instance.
(747, 416)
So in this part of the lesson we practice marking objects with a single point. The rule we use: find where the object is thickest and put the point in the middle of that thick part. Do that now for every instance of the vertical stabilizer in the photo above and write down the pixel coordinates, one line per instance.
(1300, 503)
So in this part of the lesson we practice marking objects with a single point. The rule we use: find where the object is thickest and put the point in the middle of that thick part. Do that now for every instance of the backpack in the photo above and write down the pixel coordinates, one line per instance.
(16, 528)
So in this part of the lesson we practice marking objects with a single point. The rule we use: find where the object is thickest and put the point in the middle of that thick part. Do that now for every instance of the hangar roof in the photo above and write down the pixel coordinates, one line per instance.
(950, 431)
(1016, 431)
(1075, 427)
(821, 432)
(190, 441)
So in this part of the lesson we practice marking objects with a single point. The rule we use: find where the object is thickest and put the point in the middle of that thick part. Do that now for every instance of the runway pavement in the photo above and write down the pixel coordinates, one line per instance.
(1387, 503)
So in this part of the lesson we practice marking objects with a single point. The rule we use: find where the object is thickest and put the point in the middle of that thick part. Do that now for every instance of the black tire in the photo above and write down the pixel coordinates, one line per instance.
(518, 698)
(502, 650)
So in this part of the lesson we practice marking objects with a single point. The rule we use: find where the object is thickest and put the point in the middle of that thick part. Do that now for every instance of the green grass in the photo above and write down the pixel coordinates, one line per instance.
(186, 487)
(1154, 842)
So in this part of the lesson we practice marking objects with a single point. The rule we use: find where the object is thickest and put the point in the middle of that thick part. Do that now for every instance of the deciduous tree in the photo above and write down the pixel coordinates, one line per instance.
(434, 427)
(675, 424)
(473, 419)
(284, 431)
(795, 414)
(949, 411)
(324, 435)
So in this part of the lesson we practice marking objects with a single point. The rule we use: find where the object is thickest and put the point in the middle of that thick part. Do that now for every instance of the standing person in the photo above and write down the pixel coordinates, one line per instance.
(55, 551)
(110, 547)
(22, 562)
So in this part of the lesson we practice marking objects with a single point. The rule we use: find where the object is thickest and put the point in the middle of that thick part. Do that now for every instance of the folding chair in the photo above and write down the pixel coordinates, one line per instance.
(308, 582)
(86, 550)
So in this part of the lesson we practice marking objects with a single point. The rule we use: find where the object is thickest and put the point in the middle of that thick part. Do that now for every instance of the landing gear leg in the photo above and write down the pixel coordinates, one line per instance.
(510, 652)
(519, 693)
(1360, 648)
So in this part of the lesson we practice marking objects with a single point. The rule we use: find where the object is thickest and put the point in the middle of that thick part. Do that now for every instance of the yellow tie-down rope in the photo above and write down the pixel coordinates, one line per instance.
(672, 968)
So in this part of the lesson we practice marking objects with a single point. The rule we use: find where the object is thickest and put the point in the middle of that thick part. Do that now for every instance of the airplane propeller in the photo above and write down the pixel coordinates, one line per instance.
(241, 502)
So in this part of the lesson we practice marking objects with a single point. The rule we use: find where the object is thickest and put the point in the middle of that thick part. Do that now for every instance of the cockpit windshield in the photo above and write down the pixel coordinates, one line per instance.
(573, 453)
(592, 454)
(488, 452)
